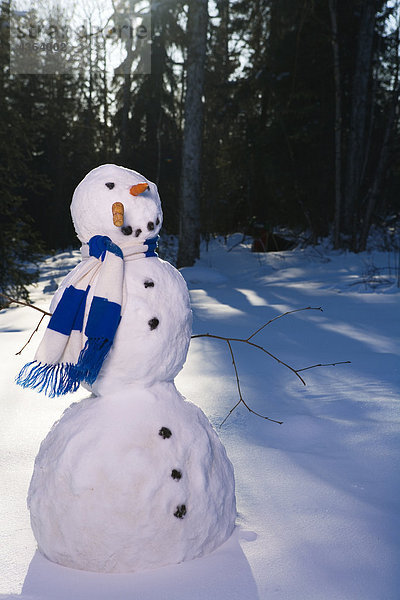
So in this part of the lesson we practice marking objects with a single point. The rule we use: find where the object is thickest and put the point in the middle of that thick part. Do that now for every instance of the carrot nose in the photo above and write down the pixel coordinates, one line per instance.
(118, 214)
(139, 188)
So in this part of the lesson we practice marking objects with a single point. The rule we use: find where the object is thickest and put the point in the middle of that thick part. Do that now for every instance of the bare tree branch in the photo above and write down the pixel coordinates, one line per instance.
(44, 314)
(241, 400)
(342, 362)
(289, 312)
(246, 341)
(297, 372)
(31, 336)
(25, 304)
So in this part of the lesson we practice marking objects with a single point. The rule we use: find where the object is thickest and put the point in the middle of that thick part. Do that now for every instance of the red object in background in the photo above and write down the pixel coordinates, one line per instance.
(266, 241)
(260, 243)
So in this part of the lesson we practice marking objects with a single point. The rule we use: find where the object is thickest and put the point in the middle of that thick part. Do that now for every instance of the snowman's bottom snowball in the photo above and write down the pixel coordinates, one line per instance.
(131, 481)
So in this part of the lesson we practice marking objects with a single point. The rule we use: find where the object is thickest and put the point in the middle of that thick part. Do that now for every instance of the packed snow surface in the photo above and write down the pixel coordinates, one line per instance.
(134, 480)
(156, 293)
(318, 497)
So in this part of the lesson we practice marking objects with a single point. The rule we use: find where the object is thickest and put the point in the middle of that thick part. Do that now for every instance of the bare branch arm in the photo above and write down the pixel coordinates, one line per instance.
(31, 336)
(342, 362)
(289, 312)
(25, 304)
(241, 400)
(44, 314)
(246, 341)
(297, 372)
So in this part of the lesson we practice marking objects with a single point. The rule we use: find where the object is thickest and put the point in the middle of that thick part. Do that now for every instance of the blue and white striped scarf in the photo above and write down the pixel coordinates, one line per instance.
(82, 328)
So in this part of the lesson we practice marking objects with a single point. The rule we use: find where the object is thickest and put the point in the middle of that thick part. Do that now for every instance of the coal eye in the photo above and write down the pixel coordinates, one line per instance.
(110, 185)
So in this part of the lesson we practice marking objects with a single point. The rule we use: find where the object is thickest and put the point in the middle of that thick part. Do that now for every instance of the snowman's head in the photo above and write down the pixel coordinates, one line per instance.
(116, 202)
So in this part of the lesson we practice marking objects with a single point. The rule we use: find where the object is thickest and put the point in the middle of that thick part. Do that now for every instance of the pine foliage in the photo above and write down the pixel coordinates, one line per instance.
(20, 245)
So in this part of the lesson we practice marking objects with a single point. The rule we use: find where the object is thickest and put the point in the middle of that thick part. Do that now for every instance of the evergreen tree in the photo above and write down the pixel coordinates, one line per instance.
(367, 95)
(224, 162)
(20, 246)
(299, 105)
(71, 132)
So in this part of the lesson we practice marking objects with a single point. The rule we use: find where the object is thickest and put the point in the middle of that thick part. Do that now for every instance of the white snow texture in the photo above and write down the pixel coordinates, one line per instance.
(131, 481)
(112, 491)
(92, 201)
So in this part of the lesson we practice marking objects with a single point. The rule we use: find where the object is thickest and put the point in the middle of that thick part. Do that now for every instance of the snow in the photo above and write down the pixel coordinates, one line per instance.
(133, 480)
(91, 205)
(318, 496)
(141, 354)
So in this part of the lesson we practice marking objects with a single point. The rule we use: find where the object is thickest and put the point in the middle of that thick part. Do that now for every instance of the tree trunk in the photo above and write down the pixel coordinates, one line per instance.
(373, 193)
(223, 31)
(384, 155)
(338, 124)
(126, 151)
(189, 226)
(356, 147)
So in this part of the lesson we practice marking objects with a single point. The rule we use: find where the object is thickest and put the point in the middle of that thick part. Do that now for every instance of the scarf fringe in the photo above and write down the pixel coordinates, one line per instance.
(91, 359)
(52, 379)
(62, 378)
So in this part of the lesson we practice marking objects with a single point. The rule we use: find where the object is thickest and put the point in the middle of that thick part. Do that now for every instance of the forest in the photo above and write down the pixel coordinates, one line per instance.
(249, 115)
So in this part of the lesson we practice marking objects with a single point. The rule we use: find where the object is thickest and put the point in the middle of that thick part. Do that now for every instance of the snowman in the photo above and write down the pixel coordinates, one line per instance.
(133, 477)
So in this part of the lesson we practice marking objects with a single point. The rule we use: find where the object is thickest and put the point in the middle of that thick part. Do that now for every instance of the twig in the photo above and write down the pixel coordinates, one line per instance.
(31, 336)
(297, 372)
(246, 341)
(289, 312)
(44, 312)
(240, 394)
(342, 362)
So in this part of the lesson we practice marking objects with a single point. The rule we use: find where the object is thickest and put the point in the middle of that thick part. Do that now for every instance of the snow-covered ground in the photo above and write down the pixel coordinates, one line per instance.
(318, 497)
